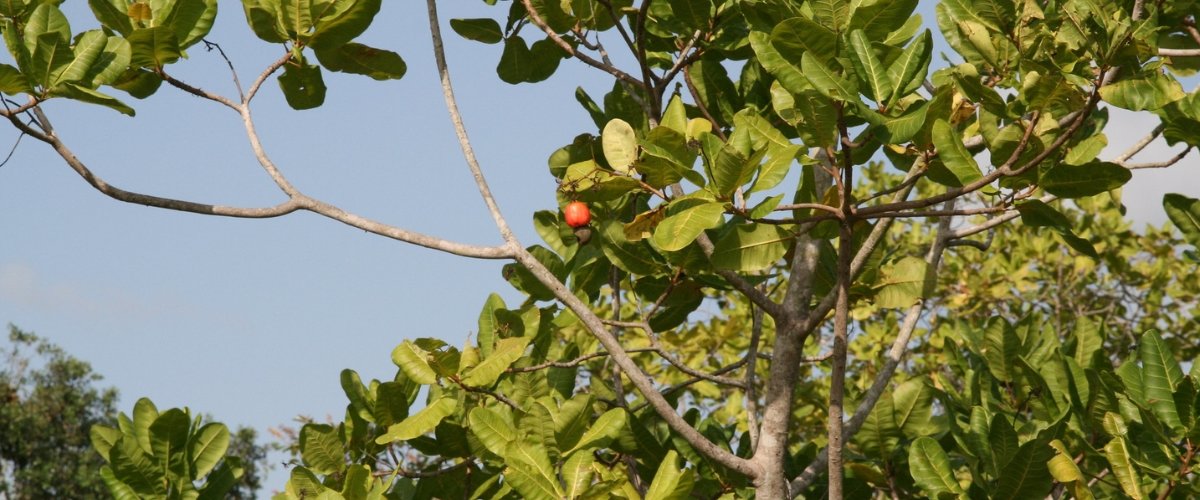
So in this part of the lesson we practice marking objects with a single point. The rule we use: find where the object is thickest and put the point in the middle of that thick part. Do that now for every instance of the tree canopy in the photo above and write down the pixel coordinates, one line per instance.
(819, 260)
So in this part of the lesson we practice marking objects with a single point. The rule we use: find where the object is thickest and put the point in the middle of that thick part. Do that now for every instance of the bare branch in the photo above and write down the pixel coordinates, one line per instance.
(270, 70)
(439, 54)
(1178, 52)
(1141, 144)
(237, 83)
(1158, 164)
(198, 92)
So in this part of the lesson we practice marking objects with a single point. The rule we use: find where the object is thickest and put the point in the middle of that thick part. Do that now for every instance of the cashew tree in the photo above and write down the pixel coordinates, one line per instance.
(766, 179)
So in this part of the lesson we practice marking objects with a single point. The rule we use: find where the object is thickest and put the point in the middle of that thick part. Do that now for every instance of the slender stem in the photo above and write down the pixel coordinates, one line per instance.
(756, 324)
(566, 47)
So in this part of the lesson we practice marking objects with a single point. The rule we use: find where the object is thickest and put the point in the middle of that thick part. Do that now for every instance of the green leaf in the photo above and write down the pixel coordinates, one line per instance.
(826, 81)
(360, 59)
(1088, 340)
(485, 30)
(360, 402)
(492, 429)
(48, 58)
(1065, 471)
(903, 284)
(602, 431)
(144, 414)
(118, 489)
(1026, 475)
(112, 14)
(137, 468)
(619, 142)
(487, 323)
(678, 231)
(930, 468)
(168, 439)
(321, 449)
(908, 71)
(1184, 212)
(670, 481)
(1035, 213)
(415, 363)
(420, 423)
(264, 19)
(730, 169)
(191, 20)
(799, 35)
(913, 406)
(208, 447)
(1078, 244)
(1160, 375)
(110, 64)
(46, 19)
(879, 435)
(516, 61)
(882, 17)
(530, 472)
(296, 17)
(139, 83)
(780, 66)
(577, 474)
(1117, 453)
(12, 81)
(103, 438)
(751, 247)
(87, 51)
(833, 14)
(631, 257)
(1146, 92)
(154, 47)
(954, 155)
(340, 27)
(870, 69)
(302, 86)
(1078, 181)
(493, 365)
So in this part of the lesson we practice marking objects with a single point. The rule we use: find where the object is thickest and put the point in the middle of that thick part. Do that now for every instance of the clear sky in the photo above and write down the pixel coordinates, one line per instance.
(252, 320)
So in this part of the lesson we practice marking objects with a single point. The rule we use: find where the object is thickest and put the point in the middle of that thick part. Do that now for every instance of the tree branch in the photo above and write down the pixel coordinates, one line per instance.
(563, 44)
(884, 377)
(439, 54)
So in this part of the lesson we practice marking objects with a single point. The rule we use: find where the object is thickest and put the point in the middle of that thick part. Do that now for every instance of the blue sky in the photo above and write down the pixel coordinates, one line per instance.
(251, 320)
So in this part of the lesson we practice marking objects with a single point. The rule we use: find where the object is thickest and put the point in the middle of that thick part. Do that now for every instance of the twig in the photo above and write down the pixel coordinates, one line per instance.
(566, 47)
(422, 474)
(1158, 164)
(233, 72)
(756, 324)
(1179, 52)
